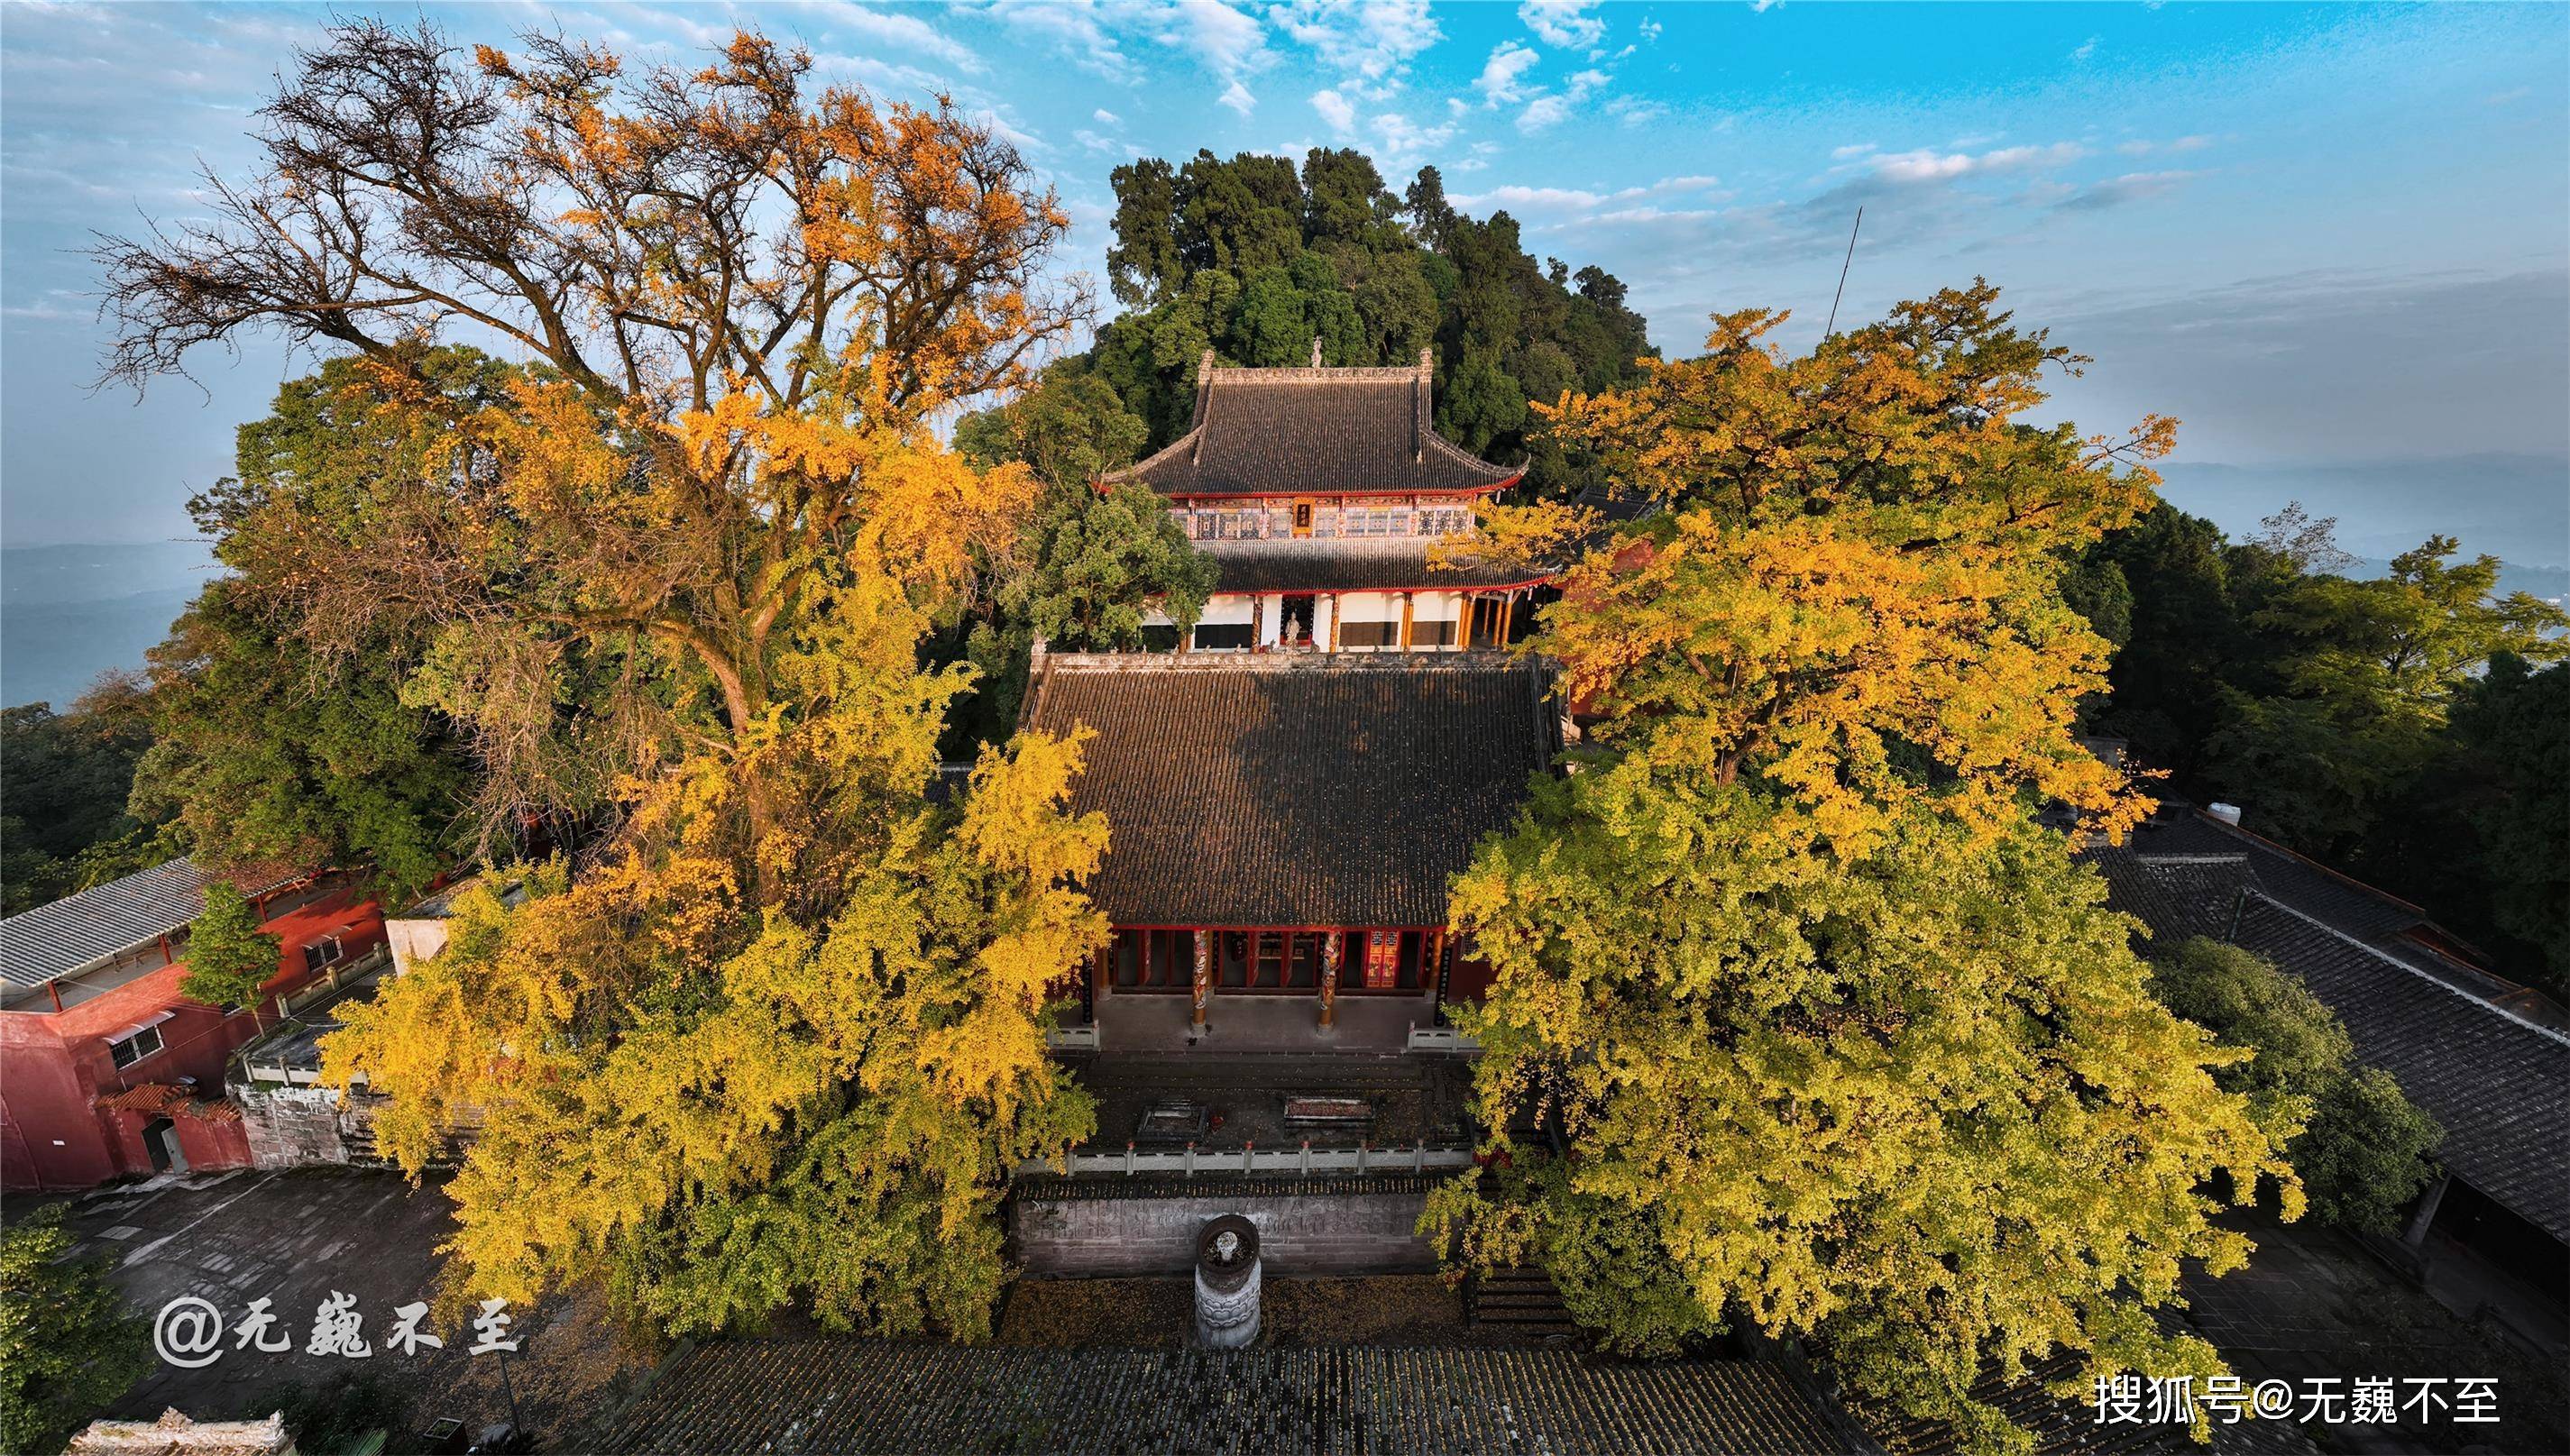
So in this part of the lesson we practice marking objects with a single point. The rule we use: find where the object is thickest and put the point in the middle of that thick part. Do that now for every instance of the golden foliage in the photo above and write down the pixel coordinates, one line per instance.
(1837, 1040)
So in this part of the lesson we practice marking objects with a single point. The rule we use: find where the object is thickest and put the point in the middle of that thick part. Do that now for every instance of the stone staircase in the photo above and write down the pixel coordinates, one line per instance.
(1522, 1299)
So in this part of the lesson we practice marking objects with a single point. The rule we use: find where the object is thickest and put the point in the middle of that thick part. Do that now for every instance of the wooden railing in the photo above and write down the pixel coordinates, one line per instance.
(1300, 1161)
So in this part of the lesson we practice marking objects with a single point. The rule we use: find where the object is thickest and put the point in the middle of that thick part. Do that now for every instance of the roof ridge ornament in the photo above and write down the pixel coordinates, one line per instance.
(1423, 420)
(1205, 402)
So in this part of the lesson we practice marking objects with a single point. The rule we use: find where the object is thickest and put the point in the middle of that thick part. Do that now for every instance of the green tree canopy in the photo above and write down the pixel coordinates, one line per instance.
(1254, 260)
(2359, 1146)
(66, 1345)
(228, 957)
(2387, 726)
(285, 739)
(68, 776)
(2367, 672)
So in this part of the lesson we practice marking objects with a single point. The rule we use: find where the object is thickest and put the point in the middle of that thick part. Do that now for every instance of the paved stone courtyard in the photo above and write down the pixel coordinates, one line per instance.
(2312, 1304)
(298, 1238)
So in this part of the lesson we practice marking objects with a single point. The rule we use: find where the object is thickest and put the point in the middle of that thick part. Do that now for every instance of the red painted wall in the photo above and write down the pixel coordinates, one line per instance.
(54, 1065)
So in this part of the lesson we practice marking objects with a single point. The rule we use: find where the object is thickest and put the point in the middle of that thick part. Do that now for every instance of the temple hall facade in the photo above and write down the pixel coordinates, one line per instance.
(1292, 787)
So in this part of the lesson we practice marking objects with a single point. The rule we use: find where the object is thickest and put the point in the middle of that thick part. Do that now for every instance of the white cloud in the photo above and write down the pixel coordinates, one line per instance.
(1563, 23)
(2086, 49)
(1925, 164)
(1398, 139)
(1564, 202)
(1634, 111)
(1227, 43)
(2130, 187)
(1231, 42)
(1651, 31)
(1336, 110)
(1761, 7)
(1106, 117)
(1076, 31)
(1368, 42)
(1095, 141)
(1498, 82)
(1853, 149)
(900, 28)
(1542, 114)
(1586, 83)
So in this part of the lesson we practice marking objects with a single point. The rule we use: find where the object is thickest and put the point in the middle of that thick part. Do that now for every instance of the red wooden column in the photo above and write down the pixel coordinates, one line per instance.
(1204, 978)
(1333, 946)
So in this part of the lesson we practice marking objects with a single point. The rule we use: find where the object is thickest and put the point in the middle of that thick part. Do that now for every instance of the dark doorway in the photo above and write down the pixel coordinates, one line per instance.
(160, 1145)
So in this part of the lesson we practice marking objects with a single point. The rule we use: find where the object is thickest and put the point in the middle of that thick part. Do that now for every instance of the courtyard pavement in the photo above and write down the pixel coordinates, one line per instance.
(303, 1238)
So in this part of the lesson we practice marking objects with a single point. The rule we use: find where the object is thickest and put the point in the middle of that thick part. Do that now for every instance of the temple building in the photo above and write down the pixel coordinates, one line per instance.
(1283, 828)
(1291, 791)
(1321, 493)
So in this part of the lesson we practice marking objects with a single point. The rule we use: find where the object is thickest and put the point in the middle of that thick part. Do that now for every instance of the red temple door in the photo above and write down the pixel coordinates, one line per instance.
(1383, 960)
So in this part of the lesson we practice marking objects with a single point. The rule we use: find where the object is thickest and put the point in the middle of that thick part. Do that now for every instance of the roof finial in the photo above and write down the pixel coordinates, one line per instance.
(1316, 351)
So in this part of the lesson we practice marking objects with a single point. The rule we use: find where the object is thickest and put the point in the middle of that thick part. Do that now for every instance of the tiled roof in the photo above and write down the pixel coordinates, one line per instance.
(1355, 565)
(2177, 896)
(858, 1396)
(79, 930)
(1283, 431)
(2358, 909)
(149, 1096)
(1322, 790)
(2499, 1084)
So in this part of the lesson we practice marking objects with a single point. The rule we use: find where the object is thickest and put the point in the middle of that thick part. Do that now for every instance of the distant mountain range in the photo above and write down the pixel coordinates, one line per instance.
(71, 612)
(2513, 507)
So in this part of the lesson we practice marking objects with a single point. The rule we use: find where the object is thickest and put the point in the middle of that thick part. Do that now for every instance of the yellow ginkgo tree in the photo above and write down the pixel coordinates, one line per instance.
(1825, 1035)
(775, 1034)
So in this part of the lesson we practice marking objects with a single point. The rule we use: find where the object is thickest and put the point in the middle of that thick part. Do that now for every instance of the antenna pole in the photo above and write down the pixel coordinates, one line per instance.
(1832, 326)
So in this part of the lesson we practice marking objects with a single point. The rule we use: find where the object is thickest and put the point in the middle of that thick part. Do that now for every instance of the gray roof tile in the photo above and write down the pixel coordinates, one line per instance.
(1285, 432)
(861, 1396)
(1331, 790)
(80, 930)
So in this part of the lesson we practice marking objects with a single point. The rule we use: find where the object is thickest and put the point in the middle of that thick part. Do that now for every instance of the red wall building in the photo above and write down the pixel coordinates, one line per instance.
(105, 1068)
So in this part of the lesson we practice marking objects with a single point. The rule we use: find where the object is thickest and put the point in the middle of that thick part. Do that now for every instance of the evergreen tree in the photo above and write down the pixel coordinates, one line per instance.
(230, 958)
(2359, 1147)
(1255, 261)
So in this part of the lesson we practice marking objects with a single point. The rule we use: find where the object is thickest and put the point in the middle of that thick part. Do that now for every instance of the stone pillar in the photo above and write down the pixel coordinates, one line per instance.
(1227, 1283)
(1203, 981)
(1333, 946)
(2416, 1234)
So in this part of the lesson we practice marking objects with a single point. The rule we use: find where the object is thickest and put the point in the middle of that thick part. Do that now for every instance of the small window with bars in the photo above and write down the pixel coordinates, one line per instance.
(124, 1051)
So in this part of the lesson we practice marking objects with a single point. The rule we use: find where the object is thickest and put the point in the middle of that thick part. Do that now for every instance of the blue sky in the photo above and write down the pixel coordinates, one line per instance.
(2315, 235)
